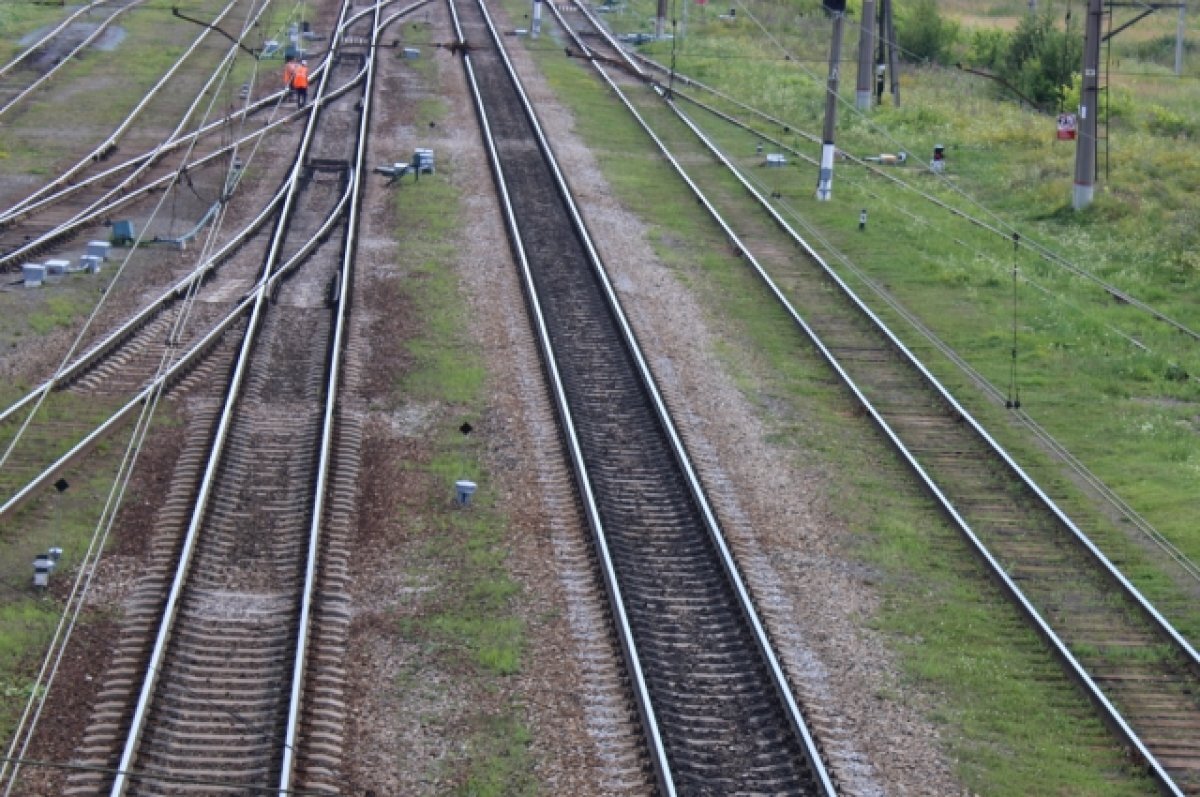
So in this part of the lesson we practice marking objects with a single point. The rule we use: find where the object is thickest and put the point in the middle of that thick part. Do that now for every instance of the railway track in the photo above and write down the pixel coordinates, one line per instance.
(159, 341)
(717, 711)
(86, 193)
(1136, 667)
(219, 701)
(772, 129)
(227, 677)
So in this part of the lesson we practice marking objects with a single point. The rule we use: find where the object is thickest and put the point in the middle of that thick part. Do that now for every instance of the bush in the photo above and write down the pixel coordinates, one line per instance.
(923, 36)
(988, 48)
(1164, 122)
(1041, 61)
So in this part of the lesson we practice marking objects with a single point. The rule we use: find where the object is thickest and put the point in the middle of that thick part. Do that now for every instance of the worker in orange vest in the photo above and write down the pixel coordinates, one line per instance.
(300, 84)
(289, 72)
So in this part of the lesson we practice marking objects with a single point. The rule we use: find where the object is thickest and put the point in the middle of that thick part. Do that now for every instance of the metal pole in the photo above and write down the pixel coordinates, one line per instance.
(536, 29)
(1179, 30)
(825, 180)
(866, 48)
(660, 20)
(1089, 109)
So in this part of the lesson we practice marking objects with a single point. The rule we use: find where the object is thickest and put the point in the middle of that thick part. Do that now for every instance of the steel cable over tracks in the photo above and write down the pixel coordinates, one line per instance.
(1190, 568)
(363, 111)
(55, 191)
(117, 199)
(110, 343)
(208, 484)
(625, 449)
(1181, 759)
(1156, 537)
(1034, 246)
(109, 145)
(173, 373)
(123, 194)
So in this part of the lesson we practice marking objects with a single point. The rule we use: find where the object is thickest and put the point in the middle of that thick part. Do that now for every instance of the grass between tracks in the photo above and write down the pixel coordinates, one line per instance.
(467, 622)
(1129, 410)
(104, 85)
(1007, 718)
(69, 519)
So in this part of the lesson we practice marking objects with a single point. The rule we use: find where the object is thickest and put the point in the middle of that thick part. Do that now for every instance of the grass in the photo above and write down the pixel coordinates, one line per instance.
(1128, 411)
(25, 625)
(1007, 716)
(101, 88)
(469, 622)
(67, 520)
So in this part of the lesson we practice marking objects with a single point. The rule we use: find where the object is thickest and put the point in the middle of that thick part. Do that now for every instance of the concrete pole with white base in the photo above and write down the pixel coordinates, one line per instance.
(1089, 109)
(866, 49)
(825, 179)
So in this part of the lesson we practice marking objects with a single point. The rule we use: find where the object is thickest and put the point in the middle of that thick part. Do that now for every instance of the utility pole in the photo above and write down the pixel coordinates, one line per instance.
(660, 20)
(1089, 108)
(893, 59)
(825, 178)
(866, 48)
(1179, 30)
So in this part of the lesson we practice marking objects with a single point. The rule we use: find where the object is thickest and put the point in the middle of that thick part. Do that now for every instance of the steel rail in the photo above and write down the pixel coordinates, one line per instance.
(44, 478)
(170, 143)
(324, 466)
(67, 58)
(795, 716)
(1110, 713)
(207, 482)
(1112, 717)
(117, 337)
(162, 382)
(1163, 626)
(1032, 245)
(37, 201)
(624, 632)
(745, 602)
(96, 211)
(1093, 481)
(182, 286)
(123, 332)
(31, 49)
(30, 204)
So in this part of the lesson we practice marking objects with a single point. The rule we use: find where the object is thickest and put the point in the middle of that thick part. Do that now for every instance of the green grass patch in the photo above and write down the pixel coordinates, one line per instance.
(469, 624)
(503, 766)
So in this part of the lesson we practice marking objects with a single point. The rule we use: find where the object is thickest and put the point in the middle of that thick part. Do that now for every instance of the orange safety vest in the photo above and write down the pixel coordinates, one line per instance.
(289, 73)
(300, 77)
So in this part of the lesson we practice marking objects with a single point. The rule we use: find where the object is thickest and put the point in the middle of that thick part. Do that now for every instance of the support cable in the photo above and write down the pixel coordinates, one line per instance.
(1013, 402)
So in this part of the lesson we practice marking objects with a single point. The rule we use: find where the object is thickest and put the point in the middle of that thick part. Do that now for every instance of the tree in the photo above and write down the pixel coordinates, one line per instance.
(1041, 60)
(923, 35)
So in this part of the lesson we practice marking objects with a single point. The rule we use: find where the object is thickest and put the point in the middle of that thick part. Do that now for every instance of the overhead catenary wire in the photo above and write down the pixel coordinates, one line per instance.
(1013, 402)
(1187, 566)
(88, 566)
(993, 220)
